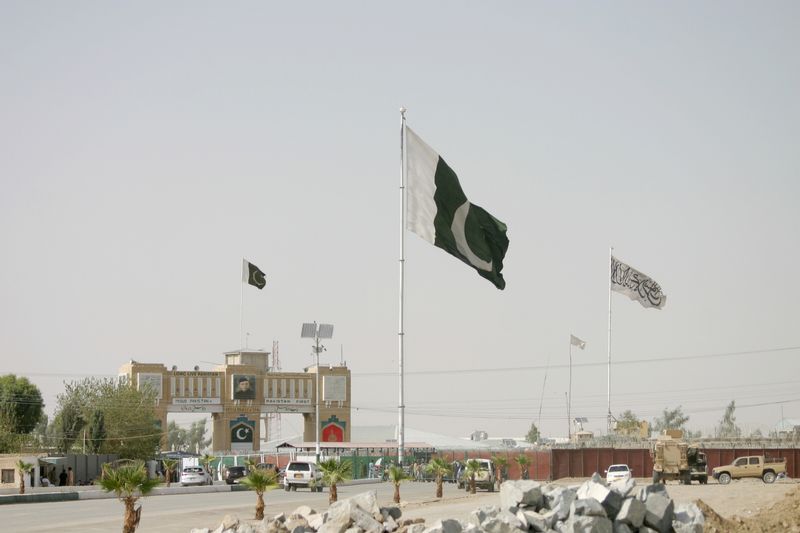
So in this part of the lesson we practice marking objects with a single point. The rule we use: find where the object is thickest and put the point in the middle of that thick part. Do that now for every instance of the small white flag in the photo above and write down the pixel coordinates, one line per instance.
(575, 341)
(636, 285)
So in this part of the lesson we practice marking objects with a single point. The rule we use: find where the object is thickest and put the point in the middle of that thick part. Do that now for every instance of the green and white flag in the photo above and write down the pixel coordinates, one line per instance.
(439, 212)
(252, 274)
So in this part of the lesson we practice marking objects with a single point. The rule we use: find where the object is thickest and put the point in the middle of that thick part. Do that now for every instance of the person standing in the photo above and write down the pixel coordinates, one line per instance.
(70, 477)
(62, 478)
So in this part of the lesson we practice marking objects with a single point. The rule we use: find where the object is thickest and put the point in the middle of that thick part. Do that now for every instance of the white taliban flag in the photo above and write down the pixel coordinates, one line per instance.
(575, 341)
(635, 285)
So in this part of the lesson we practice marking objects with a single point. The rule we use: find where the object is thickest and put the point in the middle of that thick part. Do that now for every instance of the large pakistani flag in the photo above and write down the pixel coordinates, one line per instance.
(439, 212)
(635, 285)
(252, 275)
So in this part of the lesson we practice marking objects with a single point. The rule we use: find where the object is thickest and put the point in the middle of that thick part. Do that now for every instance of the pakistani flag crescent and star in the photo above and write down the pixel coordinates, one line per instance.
(439, 212)
(635, 285)
(253, 275)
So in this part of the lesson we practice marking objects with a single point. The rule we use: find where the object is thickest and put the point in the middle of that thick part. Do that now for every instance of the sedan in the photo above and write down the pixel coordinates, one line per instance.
(618, 473)
(195, 475)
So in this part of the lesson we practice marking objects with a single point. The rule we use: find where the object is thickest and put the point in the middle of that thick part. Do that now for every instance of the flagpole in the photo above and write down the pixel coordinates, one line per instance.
(241, 310)
(608, 419)
(569, 399)
(400, 334)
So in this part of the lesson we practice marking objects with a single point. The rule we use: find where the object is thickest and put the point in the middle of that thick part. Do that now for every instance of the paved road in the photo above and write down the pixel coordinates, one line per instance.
(180, 513)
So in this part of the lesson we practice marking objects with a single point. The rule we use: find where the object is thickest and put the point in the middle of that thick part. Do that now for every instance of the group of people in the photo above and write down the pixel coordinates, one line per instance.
(65, 479)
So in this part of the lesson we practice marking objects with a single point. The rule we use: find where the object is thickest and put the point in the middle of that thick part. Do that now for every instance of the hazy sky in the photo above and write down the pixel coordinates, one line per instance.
(146, 147)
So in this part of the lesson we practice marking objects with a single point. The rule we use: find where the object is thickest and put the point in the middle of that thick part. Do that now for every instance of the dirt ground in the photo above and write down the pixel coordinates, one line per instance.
(743, 506)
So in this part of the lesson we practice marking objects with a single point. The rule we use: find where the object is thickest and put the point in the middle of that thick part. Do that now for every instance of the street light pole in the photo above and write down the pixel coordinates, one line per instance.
(317, 331)
(316, 424)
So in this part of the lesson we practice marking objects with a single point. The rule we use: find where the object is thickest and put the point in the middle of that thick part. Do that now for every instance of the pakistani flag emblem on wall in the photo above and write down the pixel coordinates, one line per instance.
(253, 275)
(439, 212)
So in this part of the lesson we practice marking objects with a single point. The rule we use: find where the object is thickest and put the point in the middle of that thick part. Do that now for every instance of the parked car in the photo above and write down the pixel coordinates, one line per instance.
(235, 473)
(766, 468)
(302, 474)
(484, 479)
(618, 473)
(195, 475)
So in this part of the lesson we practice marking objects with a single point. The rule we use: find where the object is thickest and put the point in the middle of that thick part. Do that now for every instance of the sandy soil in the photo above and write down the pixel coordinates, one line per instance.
(742, 506)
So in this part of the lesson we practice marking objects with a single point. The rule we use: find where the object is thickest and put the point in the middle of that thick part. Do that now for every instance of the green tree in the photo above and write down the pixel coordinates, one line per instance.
(727, 428)
(523, 462)
(128, 417)
(500, 463)
(533, 434)
(21, 408)
(671, 419)
(97, 432)
(169, 468)
(260, 480)
(129, 482)
(333, 473)
(471, 469)
(396, 475)
(191, 440)
(22, 469)
(439, 468)
(628, 423)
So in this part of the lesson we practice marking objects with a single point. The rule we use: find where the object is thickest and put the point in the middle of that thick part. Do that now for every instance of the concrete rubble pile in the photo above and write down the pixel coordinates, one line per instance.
(592, 507)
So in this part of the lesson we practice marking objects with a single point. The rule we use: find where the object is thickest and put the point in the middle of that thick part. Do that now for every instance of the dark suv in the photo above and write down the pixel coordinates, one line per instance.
(235, 473)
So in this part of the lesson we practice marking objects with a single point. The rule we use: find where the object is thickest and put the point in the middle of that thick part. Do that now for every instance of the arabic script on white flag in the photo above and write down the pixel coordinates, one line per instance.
(636, 285)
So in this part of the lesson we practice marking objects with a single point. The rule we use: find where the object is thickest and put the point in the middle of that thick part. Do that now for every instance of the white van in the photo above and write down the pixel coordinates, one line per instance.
(302, 474)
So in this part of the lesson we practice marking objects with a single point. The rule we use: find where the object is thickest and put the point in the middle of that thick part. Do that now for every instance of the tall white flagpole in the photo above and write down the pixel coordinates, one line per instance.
(401, 405)
(569, 398)
(241, 306)
(608, 420)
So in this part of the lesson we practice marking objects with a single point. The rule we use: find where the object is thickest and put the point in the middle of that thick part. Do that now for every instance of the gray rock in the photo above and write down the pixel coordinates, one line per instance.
(391, 510)
(589, 524)
(688, 518)
(389, 524)
(200, 530)
(535, 521)
(354, 530)
(623, 487)
(560, 500)
(481, 514)
(295, 521)
(315, 521)
(304, 510)
(610, 500)
(335, 526)
(619, 527)
(365, 521)
(340, 511)
(503, 522)
(229, 522)
(445, 526)
(587, 507)
(367, 500)
(632, 512)
(416, 528)
(524, 492)
(659, 509)
(244, 527)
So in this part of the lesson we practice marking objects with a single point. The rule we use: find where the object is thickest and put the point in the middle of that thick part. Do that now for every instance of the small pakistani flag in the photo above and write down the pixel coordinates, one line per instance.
(252, 274)
(439, 212)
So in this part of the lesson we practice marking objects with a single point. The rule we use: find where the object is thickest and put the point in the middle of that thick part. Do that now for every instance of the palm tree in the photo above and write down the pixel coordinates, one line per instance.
(500, 463)
(260, 480)
(471, 469)
(22, 469)
(130, 482)
(169, 467)
(207, 459)
(439, 468)
(396, 476)
(333, 473)
(523, 462)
